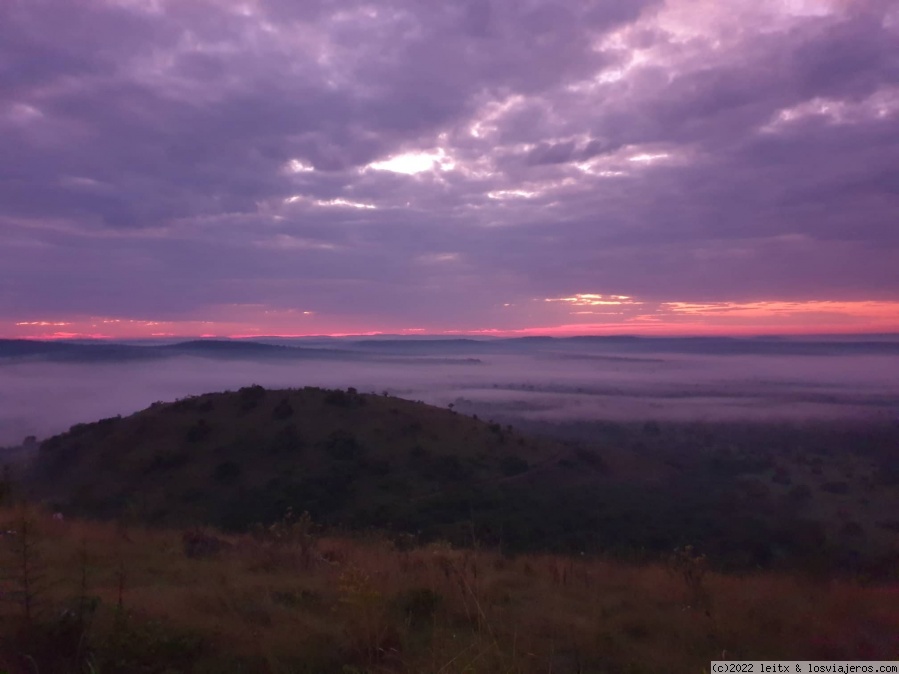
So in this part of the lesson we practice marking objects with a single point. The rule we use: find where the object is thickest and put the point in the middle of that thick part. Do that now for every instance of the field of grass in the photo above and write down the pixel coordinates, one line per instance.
(82, 596)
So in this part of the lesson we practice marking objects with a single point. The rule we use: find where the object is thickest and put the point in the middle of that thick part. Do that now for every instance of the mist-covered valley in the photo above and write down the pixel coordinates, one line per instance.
(47, 387)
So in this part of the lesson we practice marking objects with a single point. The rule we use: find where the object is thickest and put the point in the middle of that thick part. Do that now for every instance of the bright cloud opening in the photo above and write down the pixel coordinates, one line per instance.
(647, 158)
(297, 166)
(412, 163)
(593, 300)
(512, 194)
(330, 203)
(344, 202)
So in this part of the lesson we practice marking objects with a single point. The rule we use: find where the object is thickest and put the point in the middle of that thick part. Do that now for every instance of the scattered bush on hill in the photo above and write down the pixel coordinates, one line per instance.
(852, 530)
(513, 465)
(590, 458)
(799, 493)
(198, 432)
(287, 441)
(445, 468)
(166, 459)
(227, 471)
(282, 410)
(348, 398)
(250, 397)
(835, 487)
(378, 467)
(342, 445)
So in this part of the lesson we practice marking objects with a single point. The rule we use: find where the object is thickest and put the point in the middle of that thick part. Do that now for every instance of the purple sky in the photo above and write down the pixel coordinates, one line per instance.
(515, 166)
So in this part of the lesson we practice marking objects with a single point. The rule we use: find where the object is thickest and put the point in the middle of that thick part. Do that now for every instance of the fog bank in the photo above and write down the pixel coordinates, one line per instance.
(556, 381)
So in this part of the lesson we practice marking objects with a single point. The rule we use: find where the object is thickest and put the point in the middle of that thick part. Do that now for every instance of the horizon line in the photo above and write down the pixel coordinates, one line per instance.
(476, 336)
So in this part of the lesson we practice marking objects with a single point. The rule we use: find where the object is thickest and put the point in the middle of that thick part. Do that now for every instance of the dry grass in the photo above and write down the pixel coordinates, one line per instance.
(364, 606)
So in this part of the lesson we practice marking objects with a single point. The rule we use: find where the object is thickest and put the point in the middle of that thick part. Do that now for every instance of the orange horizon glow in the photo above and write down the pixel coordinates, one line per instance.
(570, 330)
(565, 317)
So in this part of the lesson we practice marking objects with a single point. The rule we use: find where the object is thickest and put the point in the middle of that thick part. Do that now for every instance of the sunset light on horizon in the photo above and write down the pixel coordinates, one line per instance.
(616, 315)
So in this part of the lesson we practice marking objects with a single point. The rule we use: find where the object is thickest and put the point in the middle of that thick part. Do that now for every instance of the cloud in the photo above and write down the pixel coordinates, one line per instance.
(163, 160)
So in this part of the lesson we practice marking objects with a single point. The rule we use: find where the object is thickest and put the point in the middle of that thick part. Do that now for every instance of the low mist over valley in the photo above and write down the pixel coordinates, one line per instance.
(47, 387)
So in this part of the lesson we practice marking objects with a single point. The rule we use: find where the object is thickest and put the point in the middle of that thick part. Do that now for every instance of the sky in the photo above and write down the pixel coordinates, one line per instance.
(489, 167)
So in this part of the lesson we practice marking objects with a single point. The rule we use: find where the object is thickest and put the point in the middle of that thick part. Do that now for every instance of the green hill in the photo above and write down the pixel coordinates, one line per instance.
(748, 496)
(233, 459)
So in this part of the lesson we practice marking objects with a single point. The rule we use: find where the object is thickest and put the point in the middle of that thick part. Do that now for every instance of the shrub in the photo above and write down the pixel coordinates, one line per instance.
(197, 544)
(184, 405)
(309, 599)
(652, 428)
(513, 465)
(250, 397)
(282, 410)
(379, 467)
(286, 441)
(227, 471)
(25, 565)
(342, 445)
(371, 639)
(445, 468)
(852, 530)
(418, 452)
(166, 460)
(590, 458)
(338, 398)
(799, 493)
(289, 536)
(418, 605)
(691, 568)
(835, 487)
(782, 476)
(412, 428)
(194, 495)
(148, 647)
(198, 432)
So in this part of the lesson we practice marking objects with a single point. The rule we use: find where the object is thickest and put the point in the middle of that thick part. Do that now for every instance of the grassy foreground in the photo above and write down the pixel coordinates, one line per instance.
(81, 596)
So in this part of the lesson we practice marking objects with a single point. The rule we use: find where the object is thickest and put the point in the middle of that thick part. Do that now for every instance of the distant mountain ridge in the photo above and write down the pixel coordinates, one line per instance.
(365, 349)
(226, 349)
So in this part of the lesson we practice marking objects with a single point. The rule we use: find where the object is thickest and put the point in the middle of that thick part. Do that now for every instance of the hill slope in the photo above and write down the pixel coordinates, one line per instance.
(747, 496)
(233, 459)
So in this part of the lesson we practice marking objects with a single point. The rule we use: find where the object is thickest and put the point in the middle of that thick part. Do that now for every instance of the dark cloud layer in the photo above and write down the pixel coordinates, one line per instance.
(401, 164)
